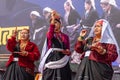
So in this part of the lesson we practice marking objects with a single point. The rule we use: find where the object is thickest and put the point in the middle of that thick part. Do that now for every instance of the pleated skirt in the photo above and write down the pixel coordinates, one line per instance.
(92, 70)
(15, 72)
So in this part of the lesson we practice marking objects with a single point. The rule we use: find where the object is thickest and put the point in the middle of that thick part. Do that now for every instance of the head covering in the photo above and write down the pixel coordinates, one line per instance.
(104, 1)
(35, 13)
(93, 3)
(112, 2)
(99, 22)
(70, 3)
(47, 10)
(107, 35)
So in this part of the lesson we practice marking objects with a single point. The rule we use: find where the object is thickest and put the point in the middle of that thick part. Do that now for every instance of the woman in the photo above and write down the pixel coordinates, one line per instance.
(71, 16)
(54, 63)
(71, 21)
(20, 65)
(98, 51)
(37, 30)
(90, 15)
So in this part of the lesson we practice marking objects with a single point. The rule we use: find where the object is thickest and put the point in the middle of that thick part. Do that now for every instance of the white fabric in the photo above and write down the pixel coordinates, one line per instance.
(104, 1)
(35, 13)
(57, 64)
(38, 30)
(112, 2)
(87, 53)
(44, 57)
(75, 57)
(47, 9)
(70, 2)
(93, 3)
(107, 35)
(15, 59)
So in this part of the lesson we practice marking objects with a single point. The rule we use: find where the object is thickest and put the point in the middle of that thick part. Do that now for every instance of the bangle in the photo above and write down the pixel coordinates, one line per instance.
(26, 53)
(103, 52)
(80, 38)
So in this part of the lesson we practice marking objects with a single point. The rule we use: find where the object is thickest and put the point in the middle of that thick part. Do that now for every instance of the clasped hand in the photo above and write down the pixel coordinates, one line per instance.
(97, 47)
(23, 53)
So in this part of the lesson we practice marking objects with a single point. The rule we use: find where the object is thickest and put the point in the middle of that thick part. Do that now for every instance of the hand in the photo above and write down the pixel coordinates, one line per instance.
(14, 33)
(98, 48)
(118, 25)
(67, 52)
(23, 53)
(54, 15)
(83, 32)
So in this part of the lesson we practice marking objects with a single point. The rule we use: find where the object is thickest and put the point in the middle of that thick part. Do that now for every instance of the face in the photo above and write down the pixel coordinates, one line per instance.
(24, 35)
(47, 15)
(87, 6)
(105, 6)
(57, 26)
(67, 7)
(97, 29)
(33, 17)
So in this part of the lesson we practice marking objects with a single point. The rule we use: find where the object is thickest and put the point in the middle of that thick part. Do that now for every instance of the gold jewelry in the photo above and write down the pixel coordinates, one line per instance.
(23, 46)
(80, 38)
(104, 51)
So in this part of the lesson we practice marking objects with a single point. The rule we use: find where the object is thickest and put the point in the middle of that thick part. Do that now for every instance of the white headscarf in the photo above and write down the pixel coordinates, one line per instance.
(93, 3)
(47, 9)
(35, 13)
(71, 4)
(107, 35)
(112, 2)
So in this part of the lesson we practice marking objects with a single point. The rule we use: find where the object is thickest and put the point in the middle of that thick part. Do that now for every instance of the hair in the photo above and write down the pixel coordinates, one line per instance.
(100, 22)
(67, 3)
(88, 2)
(58, 20)
(26, 29)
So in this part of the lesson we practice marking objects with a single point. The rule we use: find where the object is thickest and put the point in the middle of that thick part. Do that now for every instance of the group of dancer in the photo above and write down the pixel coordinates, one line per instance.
(99, 49)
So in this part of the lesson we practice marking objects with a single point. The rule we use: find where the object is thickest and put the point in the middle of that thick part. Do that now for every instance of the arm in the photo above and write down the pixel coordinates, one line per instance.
(34, 54)
(50, 33)
(79, 47)
(67, 44)
(79, 44)
(11, 44)
(111, 52)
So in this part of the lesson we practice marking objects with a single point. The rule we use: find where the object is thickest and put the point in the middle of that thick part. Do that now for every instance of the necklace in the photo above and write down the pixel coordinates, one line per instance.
(96, 40)
(23, 46)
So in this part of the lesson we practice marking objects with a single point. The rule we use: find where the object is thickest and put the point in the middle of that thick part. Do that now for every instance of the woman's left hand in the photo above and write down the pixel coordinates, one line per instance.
(23, 53)
(97, 47)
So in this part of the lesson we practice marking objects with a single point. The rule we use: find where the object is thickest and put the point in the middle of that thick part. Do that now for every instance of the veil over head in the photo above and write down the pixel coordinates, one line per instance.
(107, 35)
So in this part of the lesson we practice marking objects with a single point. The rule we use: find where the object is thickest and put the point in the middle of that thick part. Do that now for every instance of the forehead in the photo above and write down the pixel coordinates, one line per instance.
(24, 30)
(104, 3)
(98, 24)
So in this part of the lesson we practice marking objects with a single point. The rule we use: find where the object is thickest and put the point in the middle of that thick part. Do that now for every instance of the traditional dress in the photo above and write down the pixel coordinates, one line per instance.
(94, 65)
(21, 67)
(56, 65)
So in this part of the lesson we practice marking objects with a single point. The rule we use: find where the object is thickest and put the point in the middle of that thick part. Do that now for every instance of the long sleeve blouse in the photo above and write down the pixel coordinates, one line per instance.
(110, 55)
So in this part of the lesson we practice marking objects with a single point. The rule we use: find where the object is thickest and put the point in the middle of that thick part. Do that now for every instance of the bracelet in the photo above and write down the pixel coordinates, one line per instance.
(104, 51)
(80, 38)
(26, 53)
